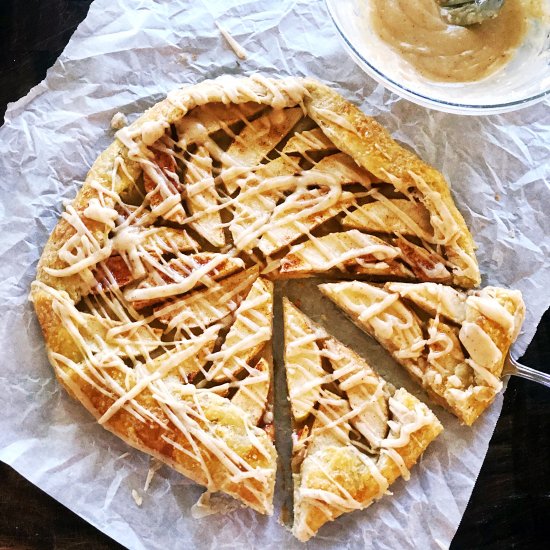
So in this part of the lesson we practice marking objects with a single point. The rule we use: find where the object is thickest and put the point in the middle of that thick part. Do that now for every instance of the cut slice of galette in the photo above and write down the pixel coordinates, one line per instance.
(452, 342)
(158, 394)
(353, 434)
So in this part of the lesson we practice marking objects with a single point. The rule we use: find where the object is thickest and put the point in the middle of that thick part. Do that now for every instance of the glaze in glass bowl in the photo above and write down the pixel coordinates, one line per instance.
(523, 81)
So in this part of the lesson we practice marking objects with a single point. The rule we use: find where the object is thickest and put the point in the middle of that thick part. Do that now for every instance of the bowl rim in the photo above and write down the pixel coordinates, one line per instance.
(424, 100)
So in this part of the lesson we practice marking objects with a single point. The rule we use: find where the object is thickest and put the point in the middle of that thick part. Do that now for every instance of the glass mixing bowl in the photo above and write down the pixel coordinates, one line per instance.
(521, 82)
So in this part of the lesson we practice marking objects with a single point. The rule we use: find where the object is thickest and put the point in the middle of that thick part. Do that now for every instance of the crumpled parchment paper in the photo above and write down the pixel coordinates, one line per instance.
(125, 56)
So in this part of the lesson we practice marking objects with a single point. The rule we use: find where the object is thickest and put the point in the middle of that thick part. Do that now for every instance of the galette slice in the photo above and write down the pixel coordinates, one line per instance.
(452, 342)
(353, 434)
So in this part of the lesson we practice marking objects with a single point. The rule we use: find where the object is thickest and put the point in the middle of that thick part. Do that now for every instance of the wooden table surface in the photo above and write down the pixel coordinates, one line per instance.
(510, 505)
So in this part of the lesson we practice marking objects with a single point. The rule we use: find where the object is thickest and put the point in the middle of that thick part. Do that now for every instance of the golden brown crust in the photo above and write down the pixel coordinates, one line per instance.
(152, 437)
(418, 443)
(58, 339)
(346, 470)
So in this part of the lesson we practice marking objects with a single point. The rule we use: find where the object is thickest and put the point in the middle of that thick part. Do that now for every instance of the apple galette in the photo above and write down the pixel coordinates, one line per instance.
(155, 292)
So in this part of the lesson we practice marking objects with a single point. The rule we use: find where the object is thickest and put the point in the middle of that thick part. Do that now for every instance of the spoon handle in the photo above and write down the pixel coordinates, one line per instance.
(530, 374)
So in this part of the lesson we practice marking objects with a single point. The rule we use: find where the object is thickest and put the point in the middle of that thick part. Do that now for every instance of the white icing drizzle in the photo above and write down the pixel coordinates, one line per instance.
(339, 250)
(152, 131)
(252, 327)
(414, 228)
(382, 314)
(307, 142)
(434, 298)
(335, 118)
(198, 273)
(493, 310)
(202, 196)
(406, 423)
(100, 213)
(82, 250)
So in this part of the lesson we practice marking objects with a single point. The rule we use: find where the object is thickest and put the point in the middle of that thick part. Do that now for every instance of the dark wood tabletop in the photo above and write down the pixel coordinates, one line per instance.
(510, 505)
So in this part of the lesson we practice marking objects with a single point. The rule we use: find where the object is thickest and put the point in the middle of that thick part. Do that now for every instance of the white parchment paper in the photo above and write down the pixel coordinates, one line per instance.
(125, 56)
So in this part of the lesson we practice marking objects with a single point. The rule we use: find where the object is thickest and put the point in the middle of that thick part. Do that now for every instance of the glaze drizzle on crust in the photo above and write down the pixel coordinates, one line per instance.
(454, 343)
(153, 290)
(353, 434)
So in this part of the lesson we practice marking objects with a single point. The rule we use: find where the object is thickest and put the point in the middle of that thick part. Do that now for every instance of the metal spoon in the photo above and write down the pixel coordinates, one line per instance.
(469, 12)
(513, 368)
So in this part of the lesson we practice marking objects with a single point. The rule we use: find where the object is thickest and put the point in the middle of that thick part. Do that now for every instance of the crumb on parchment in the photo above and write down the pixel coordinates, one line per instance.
(118, 121)
(235, 46)
(153, 468)
(138, 499)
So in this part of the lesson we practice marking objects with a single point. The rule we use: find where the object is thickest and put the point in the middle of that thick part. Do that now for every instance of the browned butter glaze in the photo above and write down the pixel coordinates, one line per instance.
(449, 53)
